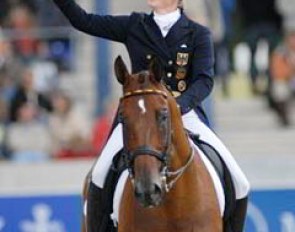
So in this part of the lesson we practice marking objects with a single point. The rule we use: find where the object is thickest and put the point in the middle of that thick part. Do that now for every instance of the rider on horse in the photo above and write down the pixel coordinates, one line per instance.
(185, 52)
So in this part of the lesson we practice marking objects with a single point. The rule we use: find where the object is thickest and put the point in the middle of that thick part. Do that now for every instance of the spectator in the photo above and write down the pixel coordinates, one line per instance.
(69, 128)
(22, 20)
(222, 51)
(10, 69)
(26, 93)
(44, 70)
(3, 116)
(4, 4)
(28, 139)
(48, 15)
(261, 21)
(287, 9)
(30, 4)
(207, 13)
(283, 74)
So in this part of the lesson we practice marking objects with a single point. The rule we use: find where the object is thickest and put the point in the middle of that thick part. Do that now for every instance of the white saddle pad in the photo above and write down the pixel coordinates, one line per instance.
(217, 185)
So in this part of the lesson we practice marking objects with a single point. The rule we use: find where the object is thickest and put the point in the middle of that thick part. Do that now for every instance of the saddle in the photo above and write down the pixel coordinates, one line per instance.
(118, 167)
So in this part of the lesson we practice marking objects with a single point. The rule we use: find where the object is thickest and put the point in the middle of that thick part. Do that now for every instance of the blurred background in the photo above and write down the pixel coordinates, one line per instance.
(58, 95)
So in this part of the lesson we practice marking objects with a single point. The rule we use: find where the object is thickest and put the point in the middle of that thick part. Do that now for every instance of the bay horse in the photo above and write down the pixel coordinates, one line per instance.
(169, 188)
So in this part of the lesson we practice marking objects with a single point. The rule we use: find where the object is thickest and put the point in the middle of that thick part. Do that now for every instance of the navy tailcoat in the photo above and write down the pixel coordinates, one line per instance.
(186, 53)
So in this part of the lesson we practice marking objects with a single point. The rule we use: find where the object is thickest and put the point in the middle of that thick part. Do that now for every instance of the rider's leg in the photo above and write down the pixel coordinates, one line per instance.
(192, 123)
(103, 164)
(242, 187)
(94, 205)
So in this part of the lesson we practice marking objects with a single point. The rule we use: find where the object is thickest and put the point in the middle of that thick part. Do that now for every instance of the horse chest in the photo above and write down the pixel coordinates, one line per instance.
(177, 218)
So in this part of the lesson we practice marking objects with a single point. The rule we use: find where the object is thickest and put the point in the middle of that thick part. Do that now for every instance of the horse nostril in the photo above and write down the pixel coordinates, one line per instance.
(157, 189)
(138, 194)
(139, 191)
(150, 196)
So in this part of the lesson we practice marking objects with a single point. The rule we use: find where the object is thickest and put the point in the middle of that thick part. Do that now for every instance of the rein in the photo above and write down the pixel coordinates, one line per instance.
(130, 156)
(176, 174)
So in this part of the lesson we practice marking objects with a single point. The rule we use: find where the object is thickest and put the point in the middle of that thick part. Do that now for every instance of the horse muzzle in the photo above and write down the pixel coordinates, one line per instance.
(148, 195)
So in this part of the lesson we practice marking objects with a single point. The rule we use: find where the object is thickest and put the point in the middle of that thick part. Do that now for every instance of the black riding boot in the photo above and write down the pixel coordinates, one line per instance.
(98, 211)
(98, 219)
(239, 215)
(94, 208)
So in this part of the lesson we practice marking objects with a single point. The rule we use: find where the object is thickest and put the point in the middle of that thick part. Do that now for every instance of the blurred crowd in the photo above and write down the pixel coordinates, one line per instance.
(40, 121)
(272, 23)
(266, 28)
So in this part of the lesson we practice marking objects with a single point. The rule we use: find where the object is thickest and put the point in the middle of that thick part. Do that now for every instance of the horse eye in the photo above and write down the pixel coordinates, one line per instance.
(121, 118)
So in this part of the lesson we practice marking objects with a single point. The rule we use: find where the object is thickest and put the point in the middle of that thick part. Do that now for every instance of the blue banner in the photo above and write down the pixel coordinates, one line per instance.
(40, 214)
(269, 211)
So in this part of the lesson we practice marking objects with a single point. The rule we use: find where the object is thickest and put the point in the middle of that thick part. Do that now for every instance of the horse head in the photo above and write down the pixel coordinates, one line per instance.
(145, 114)
(160, 159)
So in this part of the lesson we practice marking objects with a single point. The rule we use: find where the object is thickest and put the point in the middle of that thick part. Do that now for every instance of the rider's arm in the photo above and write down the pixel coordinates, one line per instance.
(201, 83)
(109, 27)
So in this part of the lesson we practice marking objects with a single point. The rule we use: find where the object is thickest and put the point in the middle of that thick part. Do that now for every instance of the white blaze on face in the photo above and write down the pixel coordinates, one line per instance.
(141, 105)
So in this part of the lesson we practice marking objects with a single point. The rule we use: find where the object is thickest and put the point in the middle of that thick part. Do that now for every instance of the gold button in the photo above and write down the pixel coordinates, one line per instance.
(169, 74)
(170, 62)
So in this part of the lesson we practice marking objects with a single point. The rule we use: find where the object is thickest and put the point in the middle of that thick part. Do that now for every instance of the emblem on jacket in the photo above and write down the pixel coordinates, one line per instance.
(181, 73)
(181, 86)
(182, 59)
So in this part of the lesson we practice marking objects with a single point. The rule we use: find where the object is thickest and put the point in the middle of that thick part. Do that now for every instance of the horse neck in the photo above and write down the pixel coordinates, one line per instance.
(189, 183)
(181, 146)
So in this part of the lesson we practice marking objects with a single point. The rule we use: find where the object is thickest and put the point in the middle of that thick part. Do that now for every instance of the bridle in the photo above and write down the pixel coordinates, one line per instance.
(162, 156)
(130, 156)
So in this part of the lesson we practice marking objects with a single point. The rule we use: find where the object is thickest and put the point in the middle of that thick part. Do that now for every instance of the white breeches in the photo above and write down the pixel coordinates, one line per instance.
(192, 123)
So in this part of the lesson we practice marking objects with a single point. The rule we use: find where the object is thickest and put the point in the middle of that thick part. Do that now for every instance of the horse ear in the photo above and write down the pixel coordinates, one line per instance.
(156, 69)
(120, 70)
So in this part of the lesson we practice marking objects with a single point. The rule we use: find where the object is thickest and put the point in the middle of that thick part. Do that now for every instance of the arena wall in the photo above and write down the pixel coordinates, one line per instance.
(32, 194)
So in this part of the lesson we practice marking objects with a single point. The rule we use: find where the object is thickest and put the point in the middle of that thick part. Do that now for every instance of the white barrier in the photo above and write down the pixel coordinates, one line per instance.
(275, 172)
(27, 190)
(59, 177)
